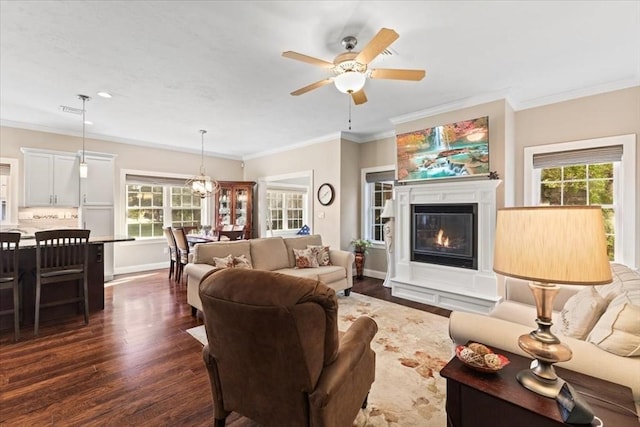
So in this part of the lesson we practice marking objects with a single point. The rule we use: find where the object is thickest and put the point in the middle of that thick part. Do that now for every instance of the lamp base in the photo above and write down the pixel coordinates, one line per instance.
(539, 385)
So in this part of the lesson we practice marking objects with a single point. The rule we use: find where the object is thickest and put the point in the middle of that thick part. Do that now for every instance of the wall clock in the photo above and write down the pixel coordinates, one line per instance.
(326, 193)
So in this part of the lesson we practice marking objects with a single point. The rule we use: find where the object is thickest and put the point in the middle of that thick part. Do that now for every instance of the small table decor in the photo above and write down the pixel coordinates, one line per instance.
(481, 358)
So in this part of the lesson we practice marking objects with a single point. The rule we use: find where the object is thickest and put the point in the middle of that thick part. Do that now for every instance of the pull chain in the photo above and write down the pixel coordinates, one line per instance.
(349, 98)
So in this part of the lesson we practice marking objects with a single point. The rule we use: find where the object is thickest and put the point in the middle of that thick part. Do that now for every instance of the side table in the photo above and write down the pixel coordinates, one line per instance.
(475, 399)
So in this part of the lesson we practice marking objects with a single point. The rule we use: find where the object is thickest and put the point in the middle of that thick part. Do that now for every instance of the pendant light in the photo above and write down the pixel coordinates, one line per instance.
(83, 165)
(202, 185)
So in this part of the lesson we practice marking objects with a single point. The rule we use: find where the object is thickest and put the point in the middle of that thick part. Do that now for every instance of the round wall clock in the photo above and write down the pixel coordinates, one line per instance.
(326, 193)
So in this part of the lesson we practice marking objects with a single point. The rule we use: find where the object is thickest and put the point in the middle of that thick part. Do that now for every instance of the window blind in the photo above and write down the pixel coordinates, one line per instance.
(381, 176)
(155, 180)
(5, 169)
(590, 156)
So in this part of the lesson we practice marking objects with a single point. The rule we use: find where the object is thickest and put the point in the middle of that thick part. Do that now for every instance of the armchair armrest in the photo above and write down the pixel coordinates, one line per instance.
(344, 259)
(353, 346)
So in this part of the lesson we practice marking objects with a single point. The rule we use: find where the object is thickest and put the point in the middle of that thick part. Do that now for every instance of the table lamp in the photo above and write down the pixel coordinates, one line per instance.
(550, 245)
(388, 212)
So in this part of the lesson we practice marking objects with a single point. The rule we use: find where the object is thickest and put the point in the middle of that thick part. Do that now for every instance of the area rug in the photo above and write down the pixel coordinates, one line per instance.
(411, 347)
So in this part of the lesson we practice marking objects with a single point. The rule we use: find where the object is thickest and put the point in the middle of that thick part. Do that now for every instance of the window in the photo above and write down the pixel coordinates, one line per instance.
(592, 172)
(157, 202)
(286, 209)
(377, 189)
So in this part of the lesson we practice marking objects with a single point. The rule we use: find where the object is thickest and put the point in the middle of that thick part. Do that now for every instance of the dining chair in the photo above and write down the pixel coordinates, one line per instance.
(173, 250)
(183, 251)
(62, 256)
(9, 275)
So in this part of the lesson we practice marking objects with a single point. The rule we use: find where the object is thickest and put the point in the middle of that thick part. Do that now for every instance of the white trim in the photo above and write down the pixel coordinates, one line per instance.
(364, 194)
(263, 184)
(14, 189)
(626, 236)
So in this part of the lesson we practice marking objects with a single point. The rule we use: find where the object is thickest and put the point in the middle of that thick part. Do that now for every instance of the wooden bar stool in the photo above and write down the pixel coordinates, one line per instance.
(62, 256)
(9, 271)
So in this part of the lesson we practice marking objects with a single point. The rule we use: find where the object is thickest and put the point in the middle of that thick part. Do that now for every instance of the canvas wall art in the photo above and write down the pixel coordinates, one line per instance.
(453, 150)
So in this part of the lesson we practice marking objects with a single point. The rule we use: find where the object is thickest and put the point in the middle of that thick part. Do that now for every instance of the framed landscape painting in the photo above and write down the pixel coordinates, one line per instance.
(453, 150)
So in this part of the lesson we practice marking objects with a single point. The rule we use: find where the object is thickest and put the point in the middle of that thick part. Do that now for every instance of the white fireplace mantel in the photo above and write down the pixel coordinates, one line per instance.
(452, 288)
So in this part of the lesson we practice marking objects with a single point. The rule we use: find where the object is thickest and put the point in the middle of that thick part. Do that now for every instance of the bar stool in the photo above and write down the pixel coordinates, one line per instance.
(62, 256)
(9, 271)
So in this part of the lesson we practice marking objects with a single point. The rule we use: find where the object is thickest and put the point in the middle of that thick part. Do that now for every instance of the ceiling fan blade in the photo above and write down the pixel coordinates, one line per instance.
(359, 97)
(380, 42)
(308, 59)
(394, 74)
(311, 87)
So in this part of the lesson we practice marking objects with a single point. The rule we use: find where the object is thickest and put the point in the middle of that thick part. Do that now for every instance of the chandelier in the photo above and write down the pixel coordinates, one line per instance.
(202, 185)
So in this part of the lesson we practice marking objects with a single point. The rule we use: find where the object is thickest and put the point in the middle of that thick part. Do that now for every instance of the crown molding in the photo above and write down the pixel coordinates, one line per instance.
(326, 138)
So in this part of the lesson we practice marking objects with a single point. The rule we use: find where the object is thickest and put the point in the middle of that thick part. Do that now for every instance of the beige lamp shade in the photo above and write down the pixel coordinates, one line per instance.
(552, 244)
(387, 212)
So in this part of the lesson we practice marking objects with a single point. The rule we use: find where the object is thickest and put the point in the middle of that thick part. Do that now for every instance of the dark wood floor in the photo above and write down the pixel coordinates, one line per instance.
(134, 364)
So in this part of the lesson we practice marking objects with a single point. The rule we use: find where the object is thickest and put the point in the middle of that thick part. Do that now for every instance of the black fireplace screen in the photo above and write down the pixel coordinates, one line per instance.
(445, 234)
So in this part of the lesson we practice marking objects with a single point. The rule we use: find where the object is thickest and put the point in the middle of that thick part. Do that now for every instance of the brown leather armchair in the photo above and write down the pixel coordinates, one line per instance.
(274, 352)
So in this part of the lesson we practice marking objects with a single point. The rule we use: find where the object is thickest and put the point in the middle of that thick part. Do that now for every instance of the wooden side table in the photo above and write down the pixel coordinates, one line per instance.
(475, 399)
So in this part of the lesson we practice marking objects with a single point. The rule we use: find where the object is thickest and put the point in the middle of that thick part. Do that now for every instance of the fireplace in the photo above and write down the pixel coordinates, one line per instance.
(445, 234)
(458, 276)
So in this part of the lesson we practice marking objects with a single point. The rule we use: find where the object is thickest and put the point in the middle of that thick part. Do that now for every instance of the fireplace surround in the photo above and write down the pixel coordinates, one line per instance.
(469, 287)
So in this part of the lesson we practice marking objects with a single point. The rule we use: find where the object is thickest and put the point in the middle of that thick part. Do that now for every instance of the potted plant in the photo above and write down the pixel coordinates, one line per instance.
(360, 247)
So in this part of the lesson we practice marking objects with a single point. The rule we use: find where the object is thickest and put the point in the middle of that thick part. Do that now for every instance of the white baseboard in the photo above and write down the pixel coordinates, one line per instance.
(374, 273)
(139, 268)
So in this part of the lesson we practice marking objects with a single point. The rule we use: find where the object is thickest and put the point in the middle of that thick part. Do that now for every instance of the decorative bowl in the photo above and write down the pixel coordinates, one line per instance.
(476, 363)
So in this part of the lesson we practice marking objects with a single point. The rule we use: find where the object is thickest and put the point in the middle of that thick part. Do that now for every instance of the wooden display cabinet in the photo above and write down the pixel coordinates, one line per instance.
(234, 205)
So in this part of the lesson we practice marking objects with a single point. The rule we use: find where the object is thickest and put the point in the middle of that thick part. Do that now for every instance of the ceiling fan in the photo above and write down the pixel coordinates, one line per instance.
(351, 69)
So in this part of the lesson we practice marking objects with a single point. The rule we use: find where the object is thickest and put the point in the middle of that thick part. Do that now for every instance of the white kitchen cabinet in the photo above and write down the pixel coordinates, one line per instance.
(97, 188)
(51, 178)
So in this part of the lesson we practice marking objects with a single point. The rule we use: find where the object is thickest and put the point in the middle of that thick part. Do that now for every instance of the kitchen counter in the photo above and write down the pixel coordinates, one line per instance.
(27, 259)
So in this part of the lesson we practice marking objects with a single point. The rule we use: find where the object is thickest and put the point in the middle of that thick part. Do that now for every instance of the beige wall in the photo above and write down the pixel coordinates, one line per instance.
(608, 114)
(324, 160)
(350, 209)
(127, 256)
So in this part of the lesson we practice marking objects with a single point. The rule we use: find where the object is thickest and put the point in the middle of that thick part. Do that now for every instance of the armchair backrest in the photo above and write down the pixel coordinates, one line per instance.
(270, 335)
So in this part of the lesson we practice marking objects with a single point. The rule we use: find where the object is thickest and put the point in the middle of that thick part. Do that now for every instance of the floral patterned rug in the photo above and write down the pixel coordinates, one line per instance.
(411, 347)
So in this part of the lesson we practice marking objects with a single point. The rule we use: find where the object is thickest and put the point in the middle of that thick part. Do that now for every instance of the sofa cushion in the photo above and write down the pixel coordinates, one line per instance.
(307, 273)
(203, 253)
(321, 253)
(226, 262)
(618, 330)
(331, 273)
(305, 258)
(300, 242)
(269, 254)
(581, 312)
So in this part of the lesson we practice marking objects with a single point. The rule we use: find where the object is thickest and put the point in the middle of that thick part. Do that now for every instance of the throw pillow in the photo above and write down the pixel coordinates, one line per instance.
(321, 253)
(242, 262)
(581, 312)
(226, 262)
(618, 330)
(305, 258)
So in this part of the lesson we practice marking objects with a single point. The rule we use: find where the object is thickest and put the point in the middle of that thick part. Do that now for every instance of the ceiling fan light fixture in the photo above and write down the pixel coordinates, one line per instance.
(350, 81)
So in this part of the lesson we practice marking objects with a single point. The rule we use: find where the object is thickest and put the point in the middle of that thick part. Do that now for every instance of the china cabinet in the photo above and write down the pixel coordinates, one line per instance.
(234, 205)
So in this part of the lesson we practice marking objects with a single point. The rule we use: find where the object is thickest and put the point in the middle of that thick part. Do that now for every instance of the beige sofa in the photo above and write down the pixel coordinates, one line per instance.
(272, 254)
(596, 322)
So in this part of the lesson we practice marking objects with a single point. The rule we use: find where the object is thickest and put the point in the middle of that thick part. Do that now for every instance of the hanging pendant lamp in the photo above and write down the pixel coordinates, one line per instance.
(202, 185)
(84, 170)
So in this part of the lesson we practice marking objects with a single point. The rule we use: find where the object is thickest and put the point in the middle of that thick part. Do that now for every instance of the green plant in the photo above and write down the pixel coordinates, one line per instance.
(361, 245)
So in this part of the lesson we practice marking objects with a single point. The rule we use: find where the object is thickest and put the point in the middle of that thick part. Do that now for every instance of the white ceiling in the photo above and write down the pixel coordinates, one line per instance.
(175, 67)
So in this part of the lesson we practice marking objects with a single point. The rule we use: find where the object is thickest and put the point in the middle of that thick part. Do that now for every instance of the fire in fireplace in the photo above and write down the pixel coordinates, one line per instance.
(445, 234)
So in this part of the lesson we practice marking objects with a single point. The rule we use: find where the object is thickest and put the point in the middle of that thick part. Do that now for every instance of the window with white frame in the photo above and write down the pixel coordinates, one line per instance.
(587, 173)
(377, 189)
(157, 202)
(286, 209)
